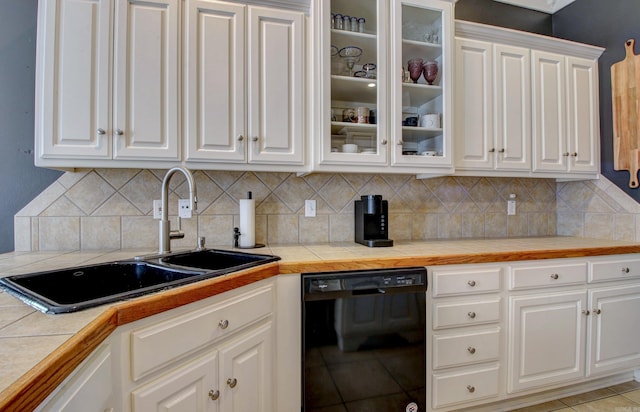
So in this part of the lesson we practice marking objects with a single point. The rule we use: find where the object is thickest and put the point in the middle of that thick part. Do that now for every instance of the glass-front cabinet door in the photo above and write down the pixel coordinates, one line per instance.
(383, 81)
(421, 82)
(356, 109)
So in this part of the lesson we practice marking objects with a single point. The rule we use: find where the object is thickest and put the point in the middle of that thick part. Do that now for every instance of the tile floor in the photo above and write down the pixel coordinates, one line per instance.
(624, 397)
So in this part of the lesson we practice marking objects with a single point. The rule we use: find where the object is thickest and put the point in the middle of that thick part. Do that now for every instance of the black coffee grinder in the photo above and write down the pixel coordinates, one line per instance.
(372, 221)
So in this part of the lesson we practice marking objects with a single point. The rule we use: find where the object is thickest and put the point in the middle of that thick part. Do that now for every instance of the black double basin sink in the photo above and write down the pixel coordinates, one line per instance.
(82, 287)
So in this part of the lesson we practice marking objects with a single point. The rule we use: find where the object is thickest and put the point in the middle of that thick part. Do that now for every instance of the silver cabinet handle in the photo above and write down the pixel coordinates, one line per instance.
(232, 382)
(223, 324)
(400, 142)
(493, 150)
(501, 151)
(554, 276)
(574, 154)
(471, 283)
(254, 139)
(472, 315)
(101, 131)
(471, 350)
(240, 138)
(383, 142)
(586, 312)
(471, 389)
(119, 132)
(214, 395)
(626, 270)
(565, 154)
(597, 311)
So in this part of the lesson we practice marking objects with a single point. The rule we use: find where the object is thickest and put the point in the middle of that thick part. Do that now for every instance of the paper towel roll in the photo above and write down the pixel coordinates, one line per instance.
(247, 223)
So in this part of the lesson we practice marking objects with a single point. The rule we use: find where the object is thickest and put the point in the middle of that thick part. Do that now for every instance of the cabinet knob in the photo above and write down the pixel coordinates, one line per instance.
(232, 382)
(471, 350)
(119, 132)
(586, 312)
(472, 315)
(597, 311)
(574, 154)
(501, 150)
(471, 389)
(383, 142)
(565, 154)
(223, 324)
(554, 276)
(214, 395)
(400, 142)
(493, 150)
(254, 139)
(626, 270)
(240, 138)
(471, 283)
(101, 131)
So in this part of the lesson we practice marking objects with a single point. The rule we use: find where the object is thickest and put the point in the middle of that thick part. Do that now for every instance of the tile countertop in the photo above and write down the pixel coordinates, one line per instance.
(58, 343)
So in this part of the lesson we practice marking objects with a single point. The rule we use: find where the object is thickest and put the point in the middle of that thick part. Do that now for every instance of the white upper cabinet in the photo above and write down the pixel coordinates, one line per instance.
(527, 104)
(566, 118)
(493, 93)
(244, 80)
(367, 109)
(107, 82)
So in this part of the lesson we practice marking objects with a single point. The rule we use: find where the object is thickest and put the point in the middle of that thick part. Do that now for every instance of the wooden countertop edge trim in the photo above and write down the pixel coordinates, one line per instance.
(34, 386)
(450, 259)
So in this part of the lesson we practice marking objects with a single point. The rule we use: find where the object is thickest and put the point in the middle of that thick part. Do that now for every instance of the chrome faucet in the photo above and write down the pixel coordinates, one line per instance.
(166, 234)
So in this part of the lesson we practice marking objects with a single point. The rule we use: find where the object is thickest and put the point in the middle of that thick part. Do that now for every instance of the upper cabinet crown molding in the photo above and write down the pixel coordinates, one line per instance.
(518, 38)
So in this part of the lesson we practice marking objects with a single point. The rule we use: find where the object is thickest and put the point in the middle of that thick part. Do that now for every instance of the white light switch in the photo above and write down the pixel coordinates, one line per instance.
(310, 208)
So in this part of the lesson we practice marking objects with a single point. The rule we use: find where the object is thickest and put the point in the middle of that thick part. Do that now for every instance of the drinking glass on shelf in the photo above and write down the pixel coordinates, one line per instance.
(430, 70)
(369, 69)
(350, 55)
(415, 69)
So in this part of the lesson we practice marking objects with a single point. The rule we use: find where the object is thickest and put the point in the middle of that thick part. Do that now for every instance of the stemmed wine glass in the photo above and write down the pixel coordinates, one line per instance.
(415, 68)
(350, 55)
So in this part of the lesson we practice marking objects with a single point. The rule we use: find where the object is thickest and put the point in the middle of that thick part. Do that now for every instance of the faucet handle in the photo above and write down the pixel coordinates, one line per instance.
(201, 242)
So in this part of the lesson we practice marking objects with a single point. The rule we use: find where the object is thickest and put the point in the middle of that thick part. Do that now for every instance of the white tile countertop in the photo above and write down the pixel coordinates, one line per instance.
(22, 327)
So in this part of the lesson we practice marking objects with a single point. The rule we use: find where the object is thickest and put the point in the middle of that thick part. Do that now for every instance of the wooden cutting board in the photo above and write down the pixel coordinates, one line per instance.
(625, 79)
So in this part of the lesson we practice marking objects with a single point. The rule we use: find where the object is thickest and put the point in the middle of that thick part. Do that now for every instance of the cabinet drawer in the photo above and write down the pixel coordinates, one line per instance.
(465, 348)
(549, 275)
(451, 315)
(154, 346)
(465, 386)
(465, 281)
(627, 267)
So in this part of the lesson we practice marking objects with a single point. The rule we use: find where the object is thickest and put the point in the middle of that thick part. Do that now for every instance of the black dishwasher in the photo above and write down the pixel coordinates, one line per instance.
(364, 340)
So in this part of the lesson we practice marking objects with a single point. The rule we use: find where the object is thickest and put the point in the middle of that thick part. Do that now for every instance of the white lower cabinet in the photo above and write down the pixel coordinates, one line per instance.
(233, 376)
(89, 388)
(465, 335)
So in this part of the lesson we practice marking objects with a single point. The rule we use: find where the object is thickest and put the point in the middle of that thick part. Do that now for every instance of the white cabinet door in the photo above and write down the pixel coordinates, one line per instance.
(512, 82)
(614, 337)
(275, 76)
(214, 81)
(89, 389)
(474, 141)
(583, 115)
(246, 372)
(547, 339)
(146, 70)
(549, 111)
(73, 91)
(192, 388)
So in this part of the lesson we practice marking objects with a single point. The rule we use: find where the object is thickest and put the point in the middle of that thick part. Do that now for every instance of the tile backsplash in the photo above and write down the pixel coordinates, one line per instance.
(112, 208)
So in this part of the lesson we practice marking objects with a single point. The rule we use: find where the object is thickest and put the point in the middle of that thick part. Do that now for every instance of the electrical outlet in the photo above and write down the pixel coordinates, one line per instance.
(511, 205)
(157, 209)
(310, 208)
(184, 208)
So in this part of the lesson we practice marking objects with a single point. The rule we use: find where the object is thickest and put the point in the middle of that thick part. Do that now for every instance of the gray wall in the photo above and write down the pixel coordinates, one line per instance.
(20, 180)
(607, 24)
(504, 15)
